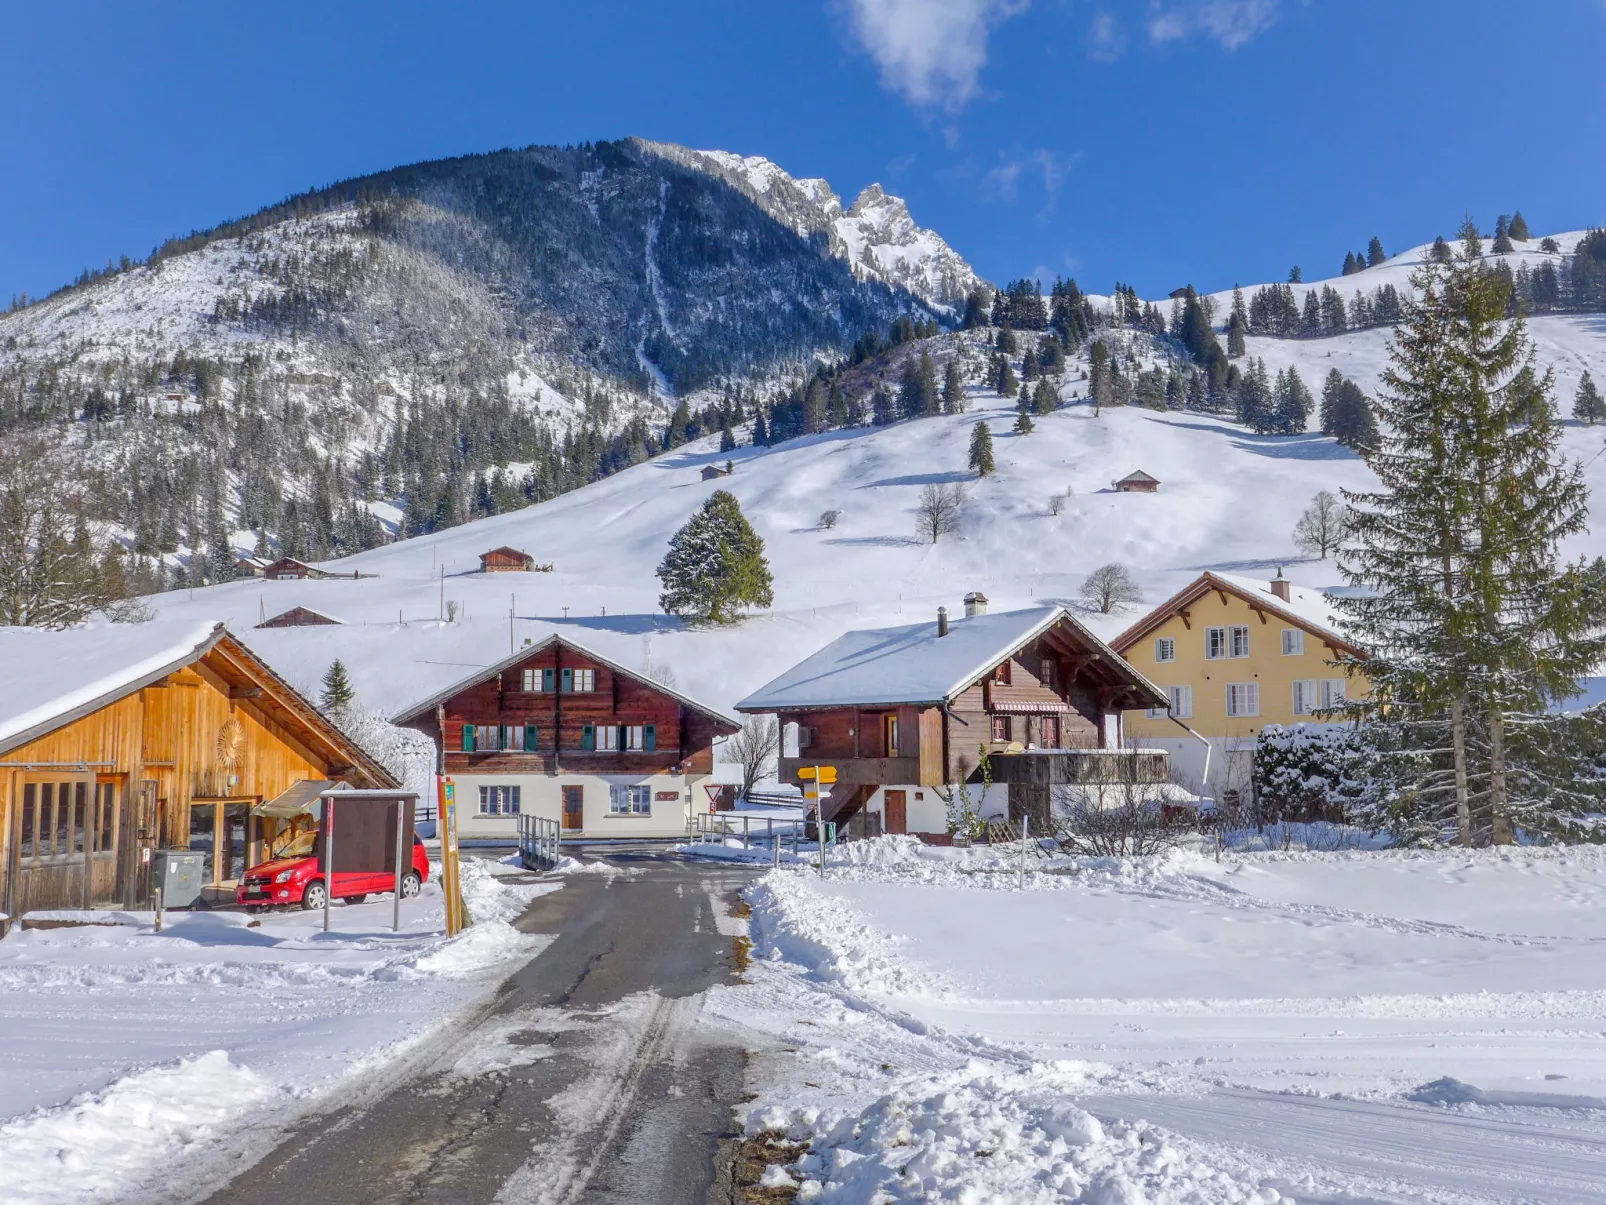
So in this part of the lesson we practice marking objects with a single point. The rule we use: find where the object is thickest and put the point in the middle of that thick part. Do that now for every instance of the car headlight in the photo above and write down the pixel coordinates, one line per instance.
(284, 876)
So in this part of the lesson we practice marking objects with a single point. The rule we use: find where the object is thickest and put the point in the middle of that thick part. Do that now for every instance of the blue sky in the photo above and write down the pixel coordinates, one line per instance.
(1156, 142)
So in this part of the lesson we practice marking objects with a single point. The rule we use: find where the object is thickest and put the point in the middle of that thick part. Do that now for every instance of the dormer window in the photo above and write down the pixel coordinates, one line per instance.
(1001, 674)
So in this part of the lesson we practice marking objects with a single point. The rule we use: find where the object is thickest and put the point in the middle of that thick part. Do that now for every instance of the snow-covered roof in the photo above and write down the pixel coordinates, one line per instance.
(912, 665)
(1310, 609)
(423, 707)
(50, 676)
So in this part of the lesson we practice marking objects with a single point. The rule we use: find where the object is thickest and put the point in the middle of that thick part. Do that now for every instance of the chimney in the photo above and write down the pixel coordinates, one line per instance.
(942, 621)
(975, 604)
(1279, 586)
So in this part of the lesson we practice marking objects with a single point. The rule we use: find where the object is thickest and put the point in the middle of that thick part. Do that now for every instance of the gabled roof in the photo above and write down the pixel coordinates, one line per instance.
(1139, 475)
(913, 666)
(518, 552)
(1308, 609)
(56, 677)
(424, 707)
(315, 617)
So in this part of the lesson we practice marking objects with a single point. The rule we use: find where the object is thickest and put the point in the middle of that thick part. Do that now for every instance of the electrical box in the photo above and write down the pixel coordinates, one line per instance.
(177, 872)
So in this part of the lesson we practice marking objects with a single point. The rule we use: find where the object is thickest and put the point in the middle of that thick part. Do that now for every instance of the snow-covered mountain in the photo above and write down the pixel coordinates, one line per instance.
(875, 235)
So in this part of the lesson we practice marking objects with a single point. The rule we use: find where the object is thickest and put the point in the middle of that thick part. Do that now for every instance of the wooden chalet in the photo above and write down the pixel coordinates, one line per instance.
(712, 472)
(118, 740)
(299, 617)
(903, 712)
(288, 569)
(251, 566)
(1137, 482)
(557, 730)
(506, 560)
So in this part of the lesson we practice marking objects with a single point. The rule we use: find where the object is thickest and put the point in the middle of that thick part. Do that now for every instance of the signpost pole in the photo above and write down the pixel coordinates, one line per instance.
(328, 857)
(401, 817)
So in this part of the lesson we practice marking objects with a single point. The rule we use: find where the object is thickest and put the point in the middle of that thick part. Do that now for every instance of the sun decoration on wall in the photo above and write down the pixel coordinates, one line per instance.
(230, 743)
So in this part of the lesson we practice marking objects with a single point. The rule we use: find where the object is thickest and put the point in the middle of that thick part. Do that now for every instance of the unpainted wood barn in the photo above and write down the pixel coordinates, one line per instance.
(120, 740)
(506, 560)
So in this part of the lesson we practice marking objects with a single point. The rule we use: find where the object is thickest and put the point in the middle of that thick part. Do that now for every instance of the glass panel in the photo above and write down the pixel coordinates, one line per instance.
(47, 819)
(231, 849)
(108, 816)
(203, 837)
(63, 818)
(80, 816)
(30, 821)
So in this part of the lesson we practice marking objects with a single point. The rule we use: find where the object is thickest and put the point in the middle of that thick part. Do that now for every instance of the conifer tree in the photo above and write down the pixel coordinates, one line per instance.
(337, 693)
(1587, 404)
(981, 448)
(715, 567)
(761, 432)
(1440, 252)
(1023, 419)
(1350, 267)
(881, 410)
(1374, 253)
(1044, 398)
(953, 389)
(1472, 624)
(1007, 385)
(1519, 227)
(727, 439)
(975, 310)
(1294, 276)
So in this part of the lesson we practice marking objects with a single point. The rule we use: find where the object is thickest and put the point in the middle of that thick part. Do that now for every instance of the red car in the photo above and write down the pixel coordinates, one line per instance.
(295, 876)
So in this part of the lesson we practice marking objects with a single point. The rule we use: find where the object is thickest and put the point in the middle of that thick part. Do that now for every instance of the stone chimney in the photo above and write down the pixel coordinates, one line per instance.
(942, 621)
(975, 604)
(1280, 586)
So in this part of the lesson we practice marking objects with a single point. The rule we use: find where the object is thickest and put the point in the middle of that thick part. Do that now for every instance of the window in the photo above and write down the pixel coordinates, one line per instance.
(628, 738)
(103, 825)
(55, 819)
(1333, 692)
(1293, 642)
(1165, 649)
(1243, 698)
(1051, 732)
(499, 801)
(1001, 674)
(1045, 672)
(1181, 701)
(1000, 728)
(805, 737)
(1215, 643)
(579, 681)
(889, 734)
(1240, 641)
(1306, 696)
(536, 681)
(607, 738)
(629, 801)
(495, 738)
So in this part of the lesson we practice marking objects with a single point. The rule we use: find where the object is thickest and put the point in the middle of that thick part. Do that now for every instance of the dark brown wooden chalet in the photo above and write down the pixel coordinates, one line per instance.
(298, 617)
(914, 708)
(506, 560)
(287, 569)
(118, 740)
(1137, 482)
(566, 727)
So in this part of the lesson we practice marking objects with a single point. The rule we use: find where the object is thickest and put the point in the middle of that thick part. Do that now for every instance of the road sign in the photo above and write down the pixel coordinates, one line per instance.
(816, 792)
(817, 773)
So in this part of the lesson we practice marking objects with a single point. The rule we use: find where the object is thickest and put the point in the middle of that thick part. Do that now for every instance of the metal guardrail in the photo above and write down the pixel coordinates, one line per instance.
(715, 828)
(539, 838)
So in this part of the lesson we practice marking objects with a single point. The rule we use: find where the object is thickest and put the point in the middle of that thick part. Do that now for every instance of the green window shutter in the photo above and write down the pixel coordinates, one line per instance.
(649, 737)
(588, 737)
(546, 680)
(468, 738)
(532, 736)
(568, 681)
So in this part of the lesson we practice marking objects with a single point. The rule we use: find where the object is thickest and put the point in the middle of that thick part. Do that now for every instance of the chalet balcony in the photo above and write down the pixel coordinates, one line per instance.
(1078, 767)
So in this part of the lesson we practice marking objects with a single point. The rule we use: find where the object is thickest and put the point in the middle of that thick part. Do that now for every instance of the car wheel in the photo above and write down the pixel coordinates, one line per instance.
(315, 896)
(355, 899)
(411, 885)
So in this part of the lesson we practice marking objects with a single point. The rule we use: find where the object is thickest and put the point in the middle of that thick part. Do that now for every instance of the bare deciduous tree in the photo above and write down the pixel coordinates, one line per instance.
(1056, 503)
(938, 511)
(828, 519)
(754, 749)
(54, 570)
(1321, 528)
(1119, 815)
(1109, 588)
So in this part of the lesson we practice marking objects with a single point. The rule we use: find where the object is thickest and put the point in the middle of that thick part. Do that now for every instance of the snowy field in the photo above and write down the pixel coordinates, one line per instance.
(128, 1056)
(1355, 1026)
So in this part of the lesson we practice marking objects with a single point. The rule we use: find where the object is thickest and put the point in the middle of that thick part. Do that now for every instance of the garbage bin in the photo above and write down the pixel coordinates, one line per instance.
(177, 873)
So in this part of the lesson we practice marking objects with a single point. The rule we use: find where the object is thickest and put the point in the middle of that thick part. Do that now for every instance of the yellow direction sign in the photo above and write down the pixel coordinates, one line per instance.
(824, 774)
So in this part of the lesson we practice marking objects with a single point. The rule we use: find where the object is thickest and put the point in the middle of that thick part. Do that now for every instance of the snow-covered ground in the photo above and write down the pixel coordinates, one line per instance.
(1320, 1027)
(129, 1056)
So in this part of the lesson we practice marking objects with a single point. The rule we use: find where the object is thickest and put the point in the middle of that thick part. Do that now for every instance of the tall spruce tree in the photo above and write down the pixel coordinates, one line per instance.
(336, 694)
(1519, 227)
(1374, 253)
(1471, 622)
(715, 567)
(981, 448)
(1587, 404)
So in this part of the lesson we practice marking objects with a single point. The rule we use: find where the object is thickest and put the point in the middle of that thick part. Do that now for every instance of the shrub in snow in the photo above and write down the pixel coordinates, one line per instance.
(1309, 771)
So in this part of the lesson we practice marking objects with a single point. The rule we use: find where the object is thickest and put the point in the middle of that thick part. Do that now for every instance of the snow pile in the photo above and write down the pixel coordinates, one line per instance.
(86, 1149)
(494, 904)
(982, 1135)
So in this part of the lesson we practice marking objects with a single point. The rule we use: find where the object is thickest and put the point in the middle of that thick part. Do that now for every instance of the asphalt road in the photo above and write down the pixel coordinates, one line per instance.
(585, 1081)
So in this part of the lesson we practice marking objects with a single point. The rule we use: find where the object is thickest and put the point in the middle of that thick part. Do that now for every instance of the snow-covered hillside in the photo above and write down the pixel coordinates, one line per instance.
(875, 235)
(1228, 500)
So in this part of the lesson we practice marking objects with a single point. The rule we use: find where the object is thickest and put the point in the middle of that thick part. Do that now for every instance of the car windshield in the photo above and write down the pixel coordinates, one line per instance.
(298, 845)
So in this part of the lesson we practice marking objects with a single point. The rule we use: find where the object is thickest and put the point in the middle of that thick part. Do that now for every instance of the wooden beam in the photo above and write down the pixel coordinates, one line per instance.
(1187, 618)
(1222, 595)
(1260, 613)
(245, 692)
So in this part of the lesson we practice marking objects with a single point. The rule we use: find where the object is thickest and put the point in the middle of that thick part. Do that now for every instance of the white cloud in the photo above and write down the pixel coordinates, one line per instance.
(1004, 180)
(930, 52)
(1233, 23)
(1106, 39)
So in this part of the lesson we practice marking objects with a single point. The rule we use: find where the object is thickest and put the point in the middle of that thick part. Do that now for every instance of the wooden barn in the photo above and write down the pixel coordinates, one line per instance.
(506, 560)
(559, 731)
(288, 569)
(1137, 482)
(299, 617)
(712, 472)
(119, 740)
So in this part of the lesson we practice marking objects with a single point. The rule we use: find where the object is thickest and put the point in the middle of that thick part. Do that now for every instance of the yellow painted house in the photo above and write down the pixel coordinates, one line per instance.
(1235, 654)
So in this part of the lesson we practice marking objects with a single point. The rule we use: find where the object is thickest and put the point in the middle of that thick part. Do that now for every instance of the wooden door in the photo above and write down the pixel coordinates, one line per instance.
(896, 806)
(574, 811)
